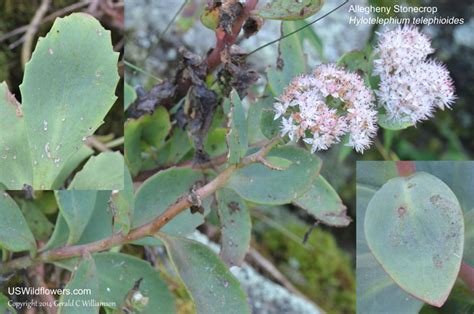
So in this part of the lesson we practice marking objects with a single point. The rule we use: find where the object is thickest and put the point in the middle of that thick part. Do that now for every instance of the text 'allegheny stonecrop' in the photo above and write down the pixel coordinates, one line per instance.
(331, 102)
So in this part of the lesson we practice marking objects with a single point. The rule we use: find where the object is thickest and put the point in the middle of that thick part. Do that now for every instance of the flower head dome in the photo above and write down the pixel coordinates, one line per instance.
(411, 88)
(323, 106)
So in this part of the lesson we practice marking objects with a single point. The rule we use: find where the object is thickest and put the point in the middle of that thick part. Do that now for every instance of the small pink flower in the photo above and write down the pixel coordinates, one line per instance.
(312, 118)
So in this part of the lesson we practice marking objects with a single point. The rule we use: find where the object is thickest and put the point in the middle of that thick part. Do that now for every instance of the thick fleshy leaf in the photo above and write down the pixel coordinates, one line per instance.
(211, 285)
(129, 96)
(15, 235)
(324, 204)
(376, 291)
(15, 160)
(391, 124)
(289, 9)
(68, 88)
(76, 207)
(237, 139)
(73, 162)
(375, 173)
(118, 274)
(161, 191)
(103, 172)
(38, 223)
(98, 227)
(418, 220)
(123, 203)
(260, 184)
(469, 238)
(236, 226)
(215, 144)
(84, 277)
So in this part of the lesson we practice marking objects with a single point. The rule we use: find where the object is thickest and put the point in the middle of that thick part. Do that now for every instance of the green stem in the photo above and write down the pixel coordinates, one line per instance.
(138, 69)
(117, 142)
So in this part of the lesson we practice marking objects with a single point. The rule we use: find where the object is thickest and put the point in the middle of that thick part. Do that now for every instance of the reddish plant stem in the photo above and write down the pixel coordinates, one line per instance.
(148, 229)
(223, 39)
(467, 275)
(405, 168)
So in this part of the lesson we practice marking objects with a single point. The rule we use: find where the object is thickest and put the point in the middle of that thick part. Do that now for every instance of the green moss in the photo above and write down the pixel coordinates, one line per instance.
(320, 270)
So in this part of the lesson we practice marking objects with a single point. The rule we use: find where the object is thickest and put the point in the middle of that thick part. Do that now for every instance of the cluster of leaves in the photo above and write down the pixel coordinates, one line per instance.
(68, 88)
(410, 235)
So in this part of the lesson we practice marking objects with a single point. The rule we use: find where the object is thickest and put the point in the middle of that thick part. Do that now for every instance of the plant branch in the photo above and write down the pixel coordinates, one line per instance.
(148, 229)
(223, 39)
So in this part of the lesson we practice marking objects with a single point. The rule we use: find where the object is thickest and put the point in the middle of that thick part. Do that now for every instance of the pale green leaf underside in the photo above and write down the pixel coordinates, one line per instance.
(323, 203)
(376, 291)
(211, 285)
(414, 225)
(68, 88)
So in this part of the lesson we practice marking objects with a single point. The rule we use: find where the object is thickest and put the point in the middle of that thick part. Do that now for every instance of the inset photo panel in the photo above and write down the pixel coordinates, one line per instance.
(415, 236)
(61, 95)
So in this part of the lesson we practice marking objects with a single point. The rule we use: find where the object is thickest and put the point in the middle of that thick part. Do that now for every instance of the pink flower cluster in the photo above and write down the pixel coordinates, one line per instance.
(322, 107)
(411, 87)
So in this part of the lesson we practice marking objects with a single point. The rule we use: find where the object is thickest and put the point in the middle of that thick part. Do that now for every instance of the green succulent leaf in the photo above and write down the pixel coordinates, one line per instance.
(129, 96)
(16, 168)
(68, 88)
(123, 203)
(118, 273)
(376, 291)
(76, 207)
(419, 221)
(84, 277)
(290, 10)
(324, 204)
(162, 190)
(469, 238)
(211, 285)
(260, 184)
(237, 137)
(99, 225)
(391, 124)
(104, 172)
(236, 226)
(72, 163)
(15, 235)
(37, 221)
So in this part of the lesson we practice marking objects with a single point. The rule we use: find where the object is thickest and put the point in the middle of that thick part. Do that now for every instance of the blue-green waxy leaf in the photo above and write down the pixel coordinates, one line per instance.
(211, 285)
(72, 163)
(235, 226)
(123, 203)
(104, 172)
(38, 223)
(118, 273)
(260, 184)
(290, 10)
(15, 235)
(129, 96)
(324, 204)
(390, 124)
(98, 227)
(415, 229)
(161, 191)
(84, 277)
(469, 238)
(68, 88)
(76, 207)
(15, 161)
(376, 291)
(237, 138)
